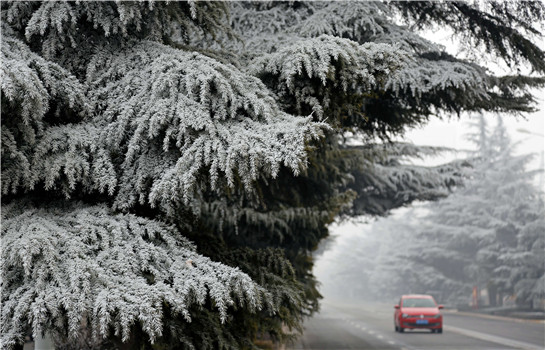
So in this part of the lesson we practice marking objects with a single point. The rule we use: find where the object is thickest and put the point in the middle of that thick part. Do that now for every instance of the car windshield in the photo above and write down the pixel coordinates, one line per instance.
(418, 303)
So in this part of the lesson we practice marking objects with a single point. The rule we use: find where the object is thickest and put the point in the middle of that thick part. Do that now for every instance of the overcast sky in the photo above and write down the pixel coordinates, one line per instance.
(452, 133)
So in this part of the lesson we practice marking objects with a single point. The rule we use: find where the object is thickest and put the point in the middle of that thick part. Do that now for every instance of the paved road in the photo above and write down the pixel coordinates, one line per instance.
(361, 327)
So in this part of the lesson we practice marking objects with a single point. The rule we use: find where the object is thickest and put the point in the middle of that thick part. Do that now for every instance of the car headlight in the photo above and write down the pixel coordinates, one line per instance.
(404, 315)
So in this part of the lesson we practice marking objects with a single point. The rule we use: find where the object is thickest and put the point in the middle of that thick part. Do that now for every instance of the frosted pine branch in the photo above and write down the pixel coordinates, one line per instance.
(31, 86)
(360, 21)
(425, 76)
(315, 58)
(31, 83)
(192, 114)
(335, 18)
(70, 262)
(69, 155)
(59, 25)
(336, 63)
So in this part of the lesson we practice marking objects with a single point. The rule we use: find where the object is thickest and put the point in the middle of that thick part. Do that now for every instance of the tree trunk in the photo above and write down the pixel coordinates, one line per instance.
(492, 294)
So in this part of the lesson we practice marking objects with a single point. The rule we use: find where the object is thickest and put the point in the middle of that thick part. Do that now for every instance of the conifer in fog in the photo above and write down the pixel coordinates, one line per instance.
(130, 129)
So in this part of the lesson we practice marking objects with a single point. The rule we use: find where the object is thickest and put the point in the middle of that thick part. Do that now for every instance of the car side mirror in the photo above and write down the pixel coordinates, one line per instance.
(440, 307)
(396, 307)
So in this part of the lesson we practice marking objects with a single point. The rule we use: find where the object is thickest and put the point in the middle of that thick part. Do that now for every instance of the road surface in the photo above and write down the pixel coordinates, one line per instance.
(340, 327)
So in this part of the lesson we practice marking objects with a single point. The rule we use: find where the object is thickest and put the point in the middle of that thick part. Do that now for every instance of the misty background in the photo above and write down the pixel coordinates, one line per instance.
(488, 235)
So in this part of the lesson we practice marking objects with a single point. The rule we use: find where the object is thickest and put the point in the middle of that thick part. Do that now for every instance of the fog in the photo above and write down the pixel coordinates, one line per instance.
(354, 264)
(489, 235)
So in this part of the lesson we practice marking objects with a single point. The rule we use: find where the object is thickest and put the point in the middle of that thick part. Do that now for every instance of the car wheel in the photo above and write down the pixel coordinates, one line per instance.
(440, 330)
(401, 330)
(397, 329)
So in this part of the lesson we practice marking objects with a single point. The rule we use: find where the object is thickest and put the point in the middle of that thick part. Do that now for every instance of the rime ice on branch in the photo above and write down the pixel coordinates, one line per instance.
(80, 263)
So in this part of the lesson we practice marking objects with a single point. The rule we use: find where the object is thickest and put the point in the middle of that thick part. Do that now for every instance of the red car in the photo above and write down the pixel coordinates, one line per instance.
(418, 311)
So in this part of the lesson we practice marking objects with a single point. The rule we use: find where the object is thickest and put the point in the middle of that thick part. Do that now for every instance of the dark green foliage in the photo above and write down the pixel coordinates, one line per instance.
(384, 181)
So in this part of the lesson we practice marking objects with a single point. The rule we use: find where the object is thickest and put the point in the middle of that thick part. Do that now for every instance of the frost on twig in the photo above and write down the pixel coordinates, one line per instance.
(177, 115)
(32, 88)
(62, 263)
(316, 71)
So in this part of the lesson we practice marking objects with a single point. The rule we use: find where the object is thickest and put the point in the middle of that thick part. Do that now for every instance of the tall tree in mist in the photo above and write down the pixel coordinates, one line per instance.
(490, 233)
(131, 129)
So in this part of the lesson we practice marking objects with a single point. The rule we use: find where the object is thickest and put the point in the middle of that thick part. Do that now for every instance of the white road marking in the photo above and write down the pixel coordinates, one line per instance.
(493, 338)
(379, 336)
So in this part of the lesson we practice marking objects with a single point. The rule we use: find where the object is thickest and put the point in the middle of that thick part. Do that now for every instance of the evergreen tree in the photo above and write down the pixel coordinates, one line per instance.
(129, 128)
(507, 257)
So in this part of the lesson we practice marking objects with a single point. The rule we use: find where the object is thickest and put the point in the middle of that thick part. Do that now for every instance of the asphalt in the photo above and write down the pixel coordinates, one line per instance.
(348, 326)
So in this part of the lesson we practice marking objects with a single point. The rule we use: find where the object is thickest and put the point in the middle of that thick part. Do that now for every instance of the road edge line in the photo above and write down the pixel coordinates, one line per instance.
(493, 338)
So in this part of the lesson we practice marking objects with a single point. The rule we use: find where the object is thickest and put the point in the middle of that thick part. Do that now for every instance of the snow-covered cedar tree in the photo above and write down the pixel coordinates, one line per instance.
(175, 113)
(225, 123)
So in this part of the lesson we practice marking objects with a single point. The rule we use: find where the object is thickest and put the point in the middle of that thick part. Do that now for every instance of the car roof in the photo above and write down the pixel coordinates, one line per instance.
(416, 296)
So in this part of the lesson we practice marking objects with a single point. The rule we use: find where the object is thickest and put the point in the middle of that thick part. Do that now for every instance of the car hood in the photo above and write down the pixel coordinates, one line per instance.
(420, 310)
